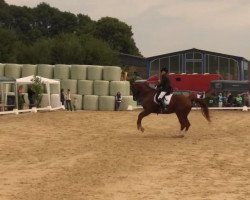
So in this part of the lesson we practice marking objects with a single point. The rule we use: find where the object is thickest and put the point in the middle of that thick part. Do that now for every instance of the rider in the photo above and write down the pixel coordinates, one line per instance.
(165, 88)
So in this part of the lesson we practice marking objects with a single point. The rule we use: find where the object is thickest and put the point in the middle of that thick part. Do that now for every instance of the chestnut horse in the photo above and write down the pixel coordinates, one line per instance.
(179, 104)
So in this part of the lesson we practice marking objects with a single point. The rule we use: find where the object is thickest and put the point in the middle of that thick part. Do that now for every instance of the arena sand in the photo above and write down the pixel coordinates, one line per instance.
(101, 156)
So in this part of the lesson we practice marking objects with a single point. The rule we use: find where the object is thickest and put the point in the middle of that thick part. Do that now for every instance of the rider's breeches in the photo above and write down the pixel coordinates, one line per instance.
(161, 95)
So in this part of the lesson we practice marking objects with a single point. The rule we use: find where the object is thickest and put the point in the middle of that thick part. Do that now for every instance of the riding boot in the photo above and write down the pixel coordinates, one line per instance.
(162, 105)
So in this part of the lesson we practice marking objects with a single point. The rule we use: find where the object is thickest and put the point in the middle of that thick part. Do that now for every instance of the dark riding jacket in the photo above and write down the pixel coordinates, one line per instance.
(165, 84)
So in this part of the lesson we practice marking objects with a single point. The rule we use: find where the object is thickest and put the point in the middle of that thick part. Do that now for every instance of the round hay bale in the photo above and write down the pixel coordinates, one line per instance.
(76, 101)
(54, 88)
(78, 72)
(62, 71)
(126, 102)
(94, 72)
(2, 69)
(119, 86)
(106, 103)
(90, 102)
(12, 70)
(101, 88)
(69, 84)
(28, 70)
(55, 100)
(45, 71)
(45, 101)
(85, 87)
(112, 73)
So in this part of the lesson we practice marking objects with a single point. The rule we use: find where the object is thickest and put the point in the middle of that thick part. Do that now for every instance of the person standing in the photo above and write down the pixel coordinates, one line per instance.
(118, 100)
(68, 100)
(62, 97)
(165, 88)
(220, 100)
(31, 94)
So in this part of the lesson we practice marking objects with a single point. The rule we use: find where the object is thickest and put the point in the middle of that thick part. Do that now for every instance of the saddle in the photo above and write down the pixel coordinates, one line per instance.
(166, 97)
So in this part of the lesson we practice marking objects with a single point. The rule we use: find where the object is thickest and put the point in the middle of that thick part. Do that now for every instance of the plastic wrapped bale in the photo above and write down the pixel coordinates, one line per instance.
(106, 103)
(45, 101)
(101, 88)
(127, 86)
(90, 102)
(85, 87)
(78, 72)
(55, 100)
(46, 71)
(2, 69)
(62, 71)
(112, 73)
(119, 86)
(126, 102)
(94, 72)
(12, 70)
(69, 84)
(54, 88)
(28, 70)
(76, 101)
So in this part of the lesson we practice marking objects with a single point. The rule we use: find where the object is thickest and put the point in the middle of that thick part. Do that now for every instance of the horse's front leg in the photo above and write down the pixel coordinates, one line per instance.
(140, 117)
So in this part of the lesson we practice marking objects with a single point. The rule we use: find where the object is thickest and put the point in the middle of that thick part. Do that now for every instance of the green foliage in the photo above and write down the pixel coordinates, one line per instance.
(46, 35)
(117, 34)
(37, 87)
(7, 42)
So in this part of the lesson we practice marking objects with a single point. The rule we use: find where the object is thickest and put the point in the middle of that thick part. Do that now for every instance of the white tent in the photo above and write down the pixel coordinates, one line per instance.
(46, 81)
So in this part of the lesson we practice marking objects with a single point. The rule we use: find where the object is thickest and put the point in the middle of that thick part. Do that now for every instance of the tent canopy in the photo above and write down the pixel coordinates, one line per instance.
(28, 80)
(46, 81)
(7, 79)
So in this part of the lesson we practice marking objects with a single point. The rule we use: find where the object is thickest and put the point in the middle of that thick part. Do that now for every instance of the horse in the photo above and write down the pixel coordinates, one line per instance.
(179, 104)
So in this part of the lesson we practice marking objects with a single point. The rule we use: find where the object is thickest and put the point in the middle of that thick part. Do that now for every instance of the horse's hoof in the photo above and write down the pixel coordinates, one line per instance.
(142, 129)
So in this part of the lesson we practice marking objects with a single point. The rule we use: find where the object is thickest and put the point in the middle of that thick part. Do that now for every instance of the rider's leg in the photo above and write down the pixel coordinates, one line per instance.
(161, 100)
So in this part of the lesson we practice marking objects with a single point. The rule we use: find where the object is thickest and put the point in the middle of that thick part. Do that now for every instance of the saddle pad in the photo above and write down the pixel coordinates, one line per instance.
(167, 98)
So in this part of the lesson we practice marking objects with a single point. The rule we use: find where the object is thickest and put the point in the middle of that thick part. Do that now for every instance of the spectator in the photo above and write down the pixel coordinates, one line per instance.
(21, 100)
(247, 99)
(220, 100)
(230, 99)
(62, 96)
(118, 100)
(239, 100)
(31, 94)
(68, 100)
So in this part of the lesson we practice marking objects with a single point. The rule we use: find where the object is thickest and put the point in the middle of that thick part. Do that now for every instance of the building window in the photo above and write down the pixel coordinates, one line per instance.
(154, 67)
(245, 68)
(175, 64)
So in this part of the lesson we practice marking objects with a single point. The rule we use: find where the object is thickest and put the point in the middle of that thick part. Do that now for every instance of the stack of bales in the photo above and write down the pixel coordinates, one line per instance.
(92, 87)
(13, 71)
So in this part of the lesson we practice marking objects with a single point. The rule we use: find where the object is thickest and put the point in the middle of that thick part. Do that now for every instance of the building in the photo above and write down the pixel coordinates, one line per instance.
(201, 62)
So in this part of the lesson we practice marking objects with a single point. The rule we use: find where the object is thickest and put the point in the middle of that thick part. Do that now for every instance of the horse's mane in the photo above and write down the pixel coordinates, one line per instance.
(146, 86)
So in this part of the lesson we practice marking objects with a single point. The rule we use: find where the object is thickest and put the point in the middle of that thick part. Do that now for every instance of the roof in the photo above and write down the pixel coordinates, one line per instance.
(196, 50)
(29, 79)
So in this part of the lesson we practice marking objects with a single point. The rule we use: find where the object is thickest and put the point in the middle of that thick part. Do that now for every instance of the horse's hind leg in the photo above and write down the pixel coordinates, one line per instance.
(140, 117)
(187, 125)
(183, 121)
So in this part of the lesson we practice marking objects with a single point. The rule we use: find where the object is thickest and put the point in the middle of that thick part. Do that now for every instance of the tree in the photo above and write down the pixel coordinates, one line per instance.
(37, 88)
(8, 39)
(117, 34)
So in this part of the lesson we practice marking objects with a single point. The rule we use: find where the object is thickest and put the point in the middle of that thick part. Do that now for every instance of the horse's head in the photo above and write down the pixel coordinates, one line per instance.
(140, 89)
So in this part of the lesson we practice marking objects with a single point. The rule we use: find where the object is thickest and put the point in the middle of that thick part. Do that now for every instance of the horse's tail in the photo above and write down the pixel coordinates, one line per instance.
(202, 104)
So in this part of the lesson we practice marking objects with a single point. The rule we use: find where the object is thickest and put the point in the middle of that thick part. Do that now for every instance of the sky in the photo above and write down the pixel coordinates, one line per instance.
(166, 26)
